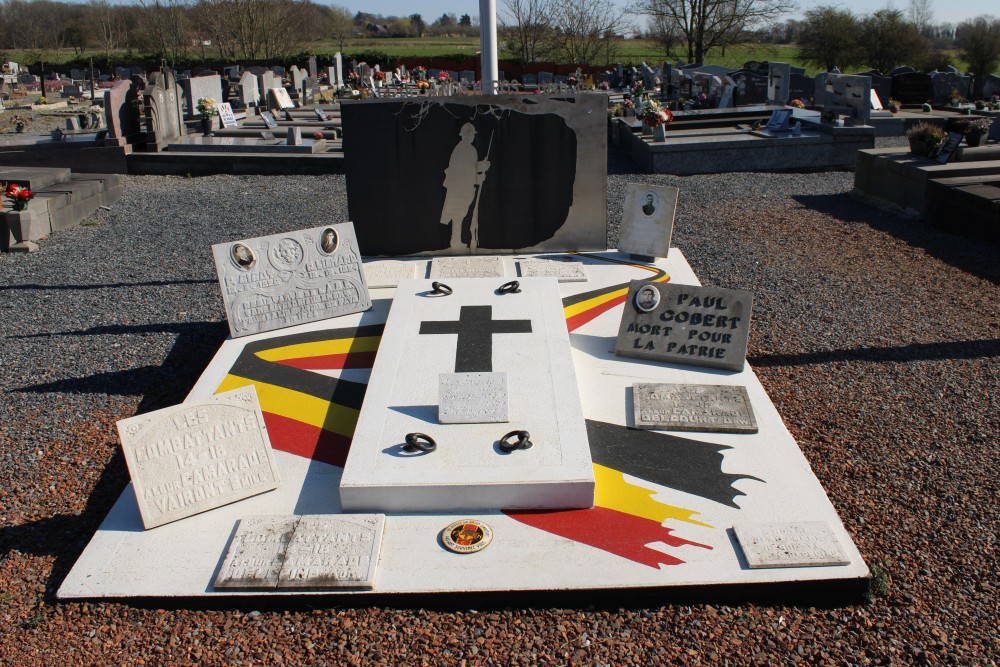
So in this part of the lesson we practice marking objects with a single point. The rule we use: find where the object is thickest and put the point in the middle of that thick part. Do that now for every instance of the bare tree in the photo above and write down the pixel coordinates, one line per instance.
(527, 30)
(259, 29)
(339, 25)
(920, 13)
(106, 26)
(166, 27)
(586, 30)
(711, 24)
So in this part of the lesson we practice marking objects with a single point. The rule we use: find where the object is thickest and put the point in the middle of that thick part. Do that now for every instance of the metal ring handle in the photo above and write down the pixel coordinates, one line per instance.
(419, 442)
(441, 288)
(522, 441)
(513, 287)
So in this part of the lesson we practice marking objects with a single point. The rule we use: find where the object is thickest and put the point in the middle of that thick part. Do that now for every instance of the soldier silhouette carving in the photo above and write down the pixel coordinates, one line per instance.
(463, 181)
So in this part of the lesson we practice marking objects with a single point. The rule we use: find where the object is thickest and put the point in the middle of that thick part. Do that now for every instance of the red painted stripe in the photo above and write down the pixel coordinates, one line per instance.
(622, 534)
(332, 361)
(295, 437)
(585, 316)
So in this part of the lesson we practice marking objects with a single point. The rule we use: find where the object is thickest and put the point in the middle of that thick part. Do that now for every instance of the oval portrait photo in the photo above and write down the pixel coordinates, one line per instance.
(243, 256)
(649, 202)
(647, 298)
(329, 241)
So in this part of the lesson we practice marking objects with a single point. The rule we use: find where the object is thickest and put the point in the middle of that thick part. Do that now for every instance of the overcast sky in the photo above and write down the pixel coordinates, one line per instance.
(952, 12)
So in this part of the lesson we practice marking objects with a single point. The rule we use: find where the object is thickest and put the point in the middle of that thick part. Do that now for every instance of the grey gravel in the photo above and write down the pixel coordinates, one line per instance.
(876, 337)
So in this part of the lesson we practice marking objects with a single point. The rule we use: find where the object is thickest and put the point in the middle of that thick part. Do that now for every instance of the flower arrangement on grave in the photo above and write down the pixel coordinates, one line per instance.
(317, 135)
(703, 101)
(443, 77)
(419, 73)
(71, 100)
(422, 85)
(42, 100)
(653, 115)
(206, 107)
(638, 90)
(925, 139)
(615, 111)
(603, 85)
(797, 104)
(18, 196)
(980, 105)
(894, 105)
(19, 123)
(927, 107)
(572, 81)
(829, 116)
(995, 102)
(378, 75)
(956, 97)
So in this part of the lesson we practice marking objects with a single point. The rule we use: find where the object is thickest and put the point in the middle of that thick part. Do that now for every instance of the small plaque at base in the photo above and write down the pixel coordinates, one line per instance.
(472, 398)
(794, 544)
(693, 407)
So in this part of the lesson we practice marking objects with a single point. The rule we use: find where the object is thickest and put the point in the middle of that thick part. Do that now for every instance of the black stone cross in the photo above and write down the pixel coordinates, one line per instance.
(475, 328)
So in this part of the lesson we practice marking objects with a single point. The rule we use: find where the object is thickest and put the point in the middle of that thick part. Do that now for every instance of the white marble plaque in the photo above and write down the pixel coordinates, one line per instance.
(685, 324)
(793, 544)
(693, 407)
(272, 282)
(467, 267)
(472, 398)
(475, 329)
(565, 272)
(226, 115)
(281, 98)
(198, 455)
(388, 272)
(648, 220)
(311, 551)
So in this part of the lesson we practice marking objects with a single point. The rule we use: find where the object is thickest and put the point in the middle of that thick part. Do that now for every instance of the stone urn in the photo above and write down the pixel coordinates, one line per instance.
(919, 147)
(974, 137)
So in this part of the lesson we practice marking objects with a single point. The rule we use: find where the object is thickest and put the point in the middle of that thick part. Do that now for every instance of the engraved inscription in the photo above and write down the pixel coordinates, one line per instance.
(313, 551)
(566, 272)
(693, 407)
(388, 273)
(288, 279)
(793, 544)
(467, 267)
(198, 456)
(473, 398)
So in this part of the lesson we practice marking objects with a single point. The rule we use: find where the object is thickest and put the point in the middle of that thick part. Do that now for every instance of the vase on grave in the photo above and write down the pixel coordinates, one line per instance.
(919, 147)
(974, 137)
(659, 134)
(206, 126)
(647, 131)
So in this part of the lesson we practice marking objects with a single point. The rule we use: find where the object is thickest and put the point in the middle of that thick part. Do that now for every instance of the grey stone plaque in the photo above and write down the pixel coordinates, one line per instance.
(281, 98)
(472, 398)
(467, 267)
(272, 282)
(648, 220)
(693, 407)
(197, 456)
(388, 273)
(565, 272)
(794, 544)
(685, 324)
(311, 551)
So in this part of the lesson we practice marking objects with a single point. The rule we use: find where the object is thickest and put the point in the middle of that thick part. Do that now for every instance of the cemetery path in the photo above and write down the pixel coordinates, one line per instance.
(877, 340)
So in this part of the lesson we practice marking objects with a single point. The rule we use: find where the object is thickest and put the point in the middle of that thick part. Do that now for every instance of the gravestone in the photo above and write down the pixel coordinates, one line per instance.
(715, 70)
(226, 115)
(296, 77)
(685, 324)
(313, 68)
(990, 86)
(281, 280)
(778, 122)
(467, 162)
(901, 70)
(912, 87)
(338, 64)
(530, 79)
(467, 76)
(71, 91)
(78, 74)
(266, 81)
(388, 272)
(648, 220)
(563, 271)
(948, 147)
(945, 84)
(693, 407)
(121, 111)
(199, 455)
(994, 134)
(320, 114)
(850, 95)
(278, 99)
(792, 544)
(163, 110)
(476, 329)
(123, 72)
(232, 72)
(876, 102)
(319, 551)
(270, 122)
(278, 70)
(72, 123)
(294, 136)
(751, 87)
(880, 84)
(801, 87)
(778, 83)
(467, 267)
(248, 91)
(198, 88)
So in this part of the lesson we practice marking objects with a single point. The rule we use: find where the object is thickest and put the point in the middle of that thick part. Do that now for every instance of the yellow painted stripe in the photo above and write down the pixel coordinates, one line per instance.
(613, 492)
(321, 348)
(296, 405)
(576, 308)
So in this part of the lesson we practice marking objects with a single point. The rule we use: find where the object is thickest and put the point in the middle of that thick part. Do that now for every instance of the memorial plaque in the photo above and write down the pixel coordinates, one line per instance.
(475, 329)
(388, 272)
(693, 407)
(320, 114)
(311, 551)
(794, 544)
(564, 271)
(198, 455)
(271, 282)
(467, 267)
(648, 220)
(226, 115)
(472, 398)
(948, 147)
(281, 98)
(270, 122)
(685, 324)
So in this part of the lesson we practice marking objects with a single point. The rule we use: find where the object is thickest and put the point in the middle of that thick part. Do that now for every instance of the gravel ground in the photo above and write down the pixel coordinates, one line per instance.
(876, 338)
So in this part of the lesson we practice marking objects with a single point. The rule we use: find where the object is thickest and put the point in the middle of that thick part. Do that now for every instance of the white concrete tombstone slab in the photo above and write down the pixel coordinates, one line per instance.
(197, 456)
(271, 282)
(564, 272)
(789, 544)
(693, 407)
(468, 267)
(473, 398)
(303, 552)
(226, 115)
(475, 329)
(281, 98)
(388, 272)
(685, 324)
(648, 220)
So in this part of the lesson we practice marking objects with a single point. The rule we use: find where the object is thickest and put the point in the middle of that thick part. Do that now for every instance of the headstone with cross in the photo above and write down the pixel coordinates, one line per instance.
(464, 362)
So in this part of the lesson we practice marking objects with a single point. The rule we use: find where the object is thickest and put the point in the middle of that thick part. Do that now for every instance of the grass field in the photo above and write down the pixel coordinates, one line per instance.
(628, 51)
